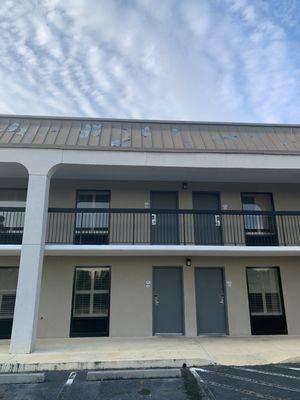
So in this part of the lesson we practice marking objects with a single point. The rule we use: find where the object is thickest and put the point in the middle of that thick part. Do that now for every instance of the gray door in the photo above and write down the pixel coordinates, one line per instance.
(210, 301)
(207, 226)
(167, 301)
(164, 225)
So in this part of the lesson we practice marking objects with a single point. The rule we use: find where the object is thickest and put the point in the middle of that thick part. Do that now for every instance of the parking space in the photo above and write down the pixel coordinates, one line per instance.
(59, 386)
(272, 382)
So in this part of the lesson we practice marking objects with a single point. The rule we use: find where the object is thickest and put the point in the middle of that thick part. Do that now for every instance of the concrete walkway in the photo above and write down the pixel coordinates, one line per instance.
(153, 352)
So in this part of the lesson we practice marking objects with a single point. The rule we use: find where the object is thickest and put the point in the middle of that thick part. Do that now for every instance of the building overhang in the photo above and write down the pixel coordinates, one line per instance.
(169, 250)
(157, 250)
(10, 249)
(158, 166)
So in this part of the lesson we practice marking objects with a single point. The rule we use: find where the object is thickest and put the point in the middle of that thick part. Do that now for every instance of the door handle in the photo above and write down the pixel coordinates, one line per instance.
(153, 219)
(156, 300)
(221, 299)
(217, 220)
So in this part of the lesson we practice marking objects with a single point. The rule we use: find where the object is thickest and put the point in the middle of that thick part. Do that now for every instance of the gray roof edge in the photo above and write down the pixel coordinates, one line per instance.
(149, 150)
(149, 121)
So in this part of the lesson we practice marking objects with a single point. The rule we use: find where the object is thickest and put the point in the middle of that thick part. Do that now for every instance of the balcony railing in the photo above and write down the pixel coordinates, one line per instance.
(173, 227)
(11, 225)
(159, 227)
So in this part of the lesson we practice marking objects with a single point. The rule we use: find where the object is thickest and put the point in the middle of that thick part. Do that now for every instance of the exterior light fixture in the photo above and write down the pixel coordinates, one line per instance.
(184, 186)
(188, 262)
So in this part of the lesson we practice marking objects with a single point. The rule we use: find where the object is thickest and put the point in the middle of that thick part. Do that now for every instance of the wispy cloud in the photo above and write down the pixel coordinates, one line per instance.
(209, 60)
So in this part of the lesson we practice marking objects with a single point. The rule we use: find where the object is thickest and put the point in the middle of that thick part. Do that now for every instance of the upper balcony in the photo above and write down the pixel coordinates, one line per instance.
(79, 227)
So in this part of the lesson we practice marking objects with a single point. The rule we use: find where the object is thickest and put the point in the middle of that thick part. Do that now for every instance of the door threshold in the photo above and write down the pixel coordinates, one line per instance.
(168, 334)
(212, 335)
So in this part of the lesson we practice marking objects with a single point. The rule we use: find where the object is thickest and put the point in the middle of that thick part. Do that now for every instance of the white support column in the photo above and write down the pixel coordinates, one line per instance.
(31, 265)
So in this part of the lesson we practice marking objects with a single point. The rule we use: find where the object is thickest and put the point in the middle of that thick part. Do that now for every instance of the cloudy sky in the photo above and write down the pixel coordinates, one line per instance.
(219, 60)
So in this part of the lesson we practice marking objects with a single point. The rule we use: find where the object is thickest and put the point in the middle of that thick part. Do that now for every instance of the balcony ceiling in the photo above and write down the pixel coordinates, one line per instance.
(138, 135)
(174, 174)
(12, 170)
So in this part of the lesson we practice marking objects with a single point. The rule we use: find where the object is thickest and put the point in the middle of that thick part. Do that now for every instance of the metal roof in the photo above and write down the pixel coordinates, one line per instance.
(145, 135)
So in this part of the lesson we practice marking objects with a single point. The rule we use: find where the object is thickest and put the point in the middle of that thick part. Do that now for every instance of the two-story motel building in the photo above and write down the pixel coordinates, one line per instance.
(138, 228)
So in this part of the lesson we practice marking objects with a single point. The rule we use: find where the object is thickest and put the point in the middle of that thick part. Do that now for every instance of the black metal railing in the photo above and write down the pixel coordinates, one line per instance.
(161, 227)
(11, 225)
(173, 227)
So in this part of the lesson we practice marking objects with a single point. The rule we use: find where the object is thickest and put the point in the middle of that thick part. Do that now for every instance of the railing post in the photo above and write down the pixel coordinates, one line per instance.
(81, 224)
(281, 217)
(184, 233)
(133, 228)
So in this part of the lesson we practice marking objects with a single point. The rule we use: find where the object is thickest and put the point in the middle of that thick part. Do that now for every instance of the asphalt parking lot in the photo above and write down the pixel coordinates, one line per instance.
(272, 382)
(55, 388)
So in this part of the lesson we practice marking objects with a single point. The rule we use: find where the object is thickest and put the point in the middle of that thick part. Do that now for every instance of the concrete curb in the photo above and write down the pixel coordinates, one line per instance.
(102, 365)
(21, 378)
(133, 374)
(203, 388)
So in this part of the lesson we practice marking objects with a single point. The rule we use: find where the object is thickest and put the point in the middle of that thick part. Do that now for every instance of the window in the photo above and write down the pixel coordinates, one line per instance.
(93, 221)
(264, 291)
(257, 202)
(93, 199)
(8, 287)
(91, 296)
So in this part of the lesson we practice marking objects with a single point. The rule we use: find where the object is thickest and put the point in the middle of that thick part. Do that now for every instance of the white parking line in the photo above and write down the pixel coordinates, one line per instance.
(293, 368)
(197, 376)
(66, 387)
(250, 380)
(200, 370)
(203, 388)
(244, 392)
(234, 388)
(266, 372)
(71, 378)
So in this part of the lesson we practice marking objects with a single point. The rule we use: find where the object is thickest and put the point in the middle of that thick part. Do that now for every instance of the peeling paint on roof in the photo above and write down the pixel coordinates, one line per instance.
(146, 131)
(96, 129)
(85, 130)
(13, 127)
(125, 137)
(104, 134)
(116, 143)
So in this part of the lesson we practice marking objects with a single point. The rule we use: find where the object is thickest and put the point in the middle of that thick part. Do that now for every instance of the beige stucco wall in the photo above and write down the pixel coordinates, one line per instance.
(137, 195)
(9, 261)
(131, 300)
(134, 194)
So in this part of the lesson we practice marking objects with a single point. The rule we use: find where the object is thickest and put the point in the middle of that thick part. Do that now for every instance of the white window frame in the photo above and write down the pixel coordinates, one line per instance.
(256, 224)
(92, 222)
(264, 292)
(91, 293)
(4, 293)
